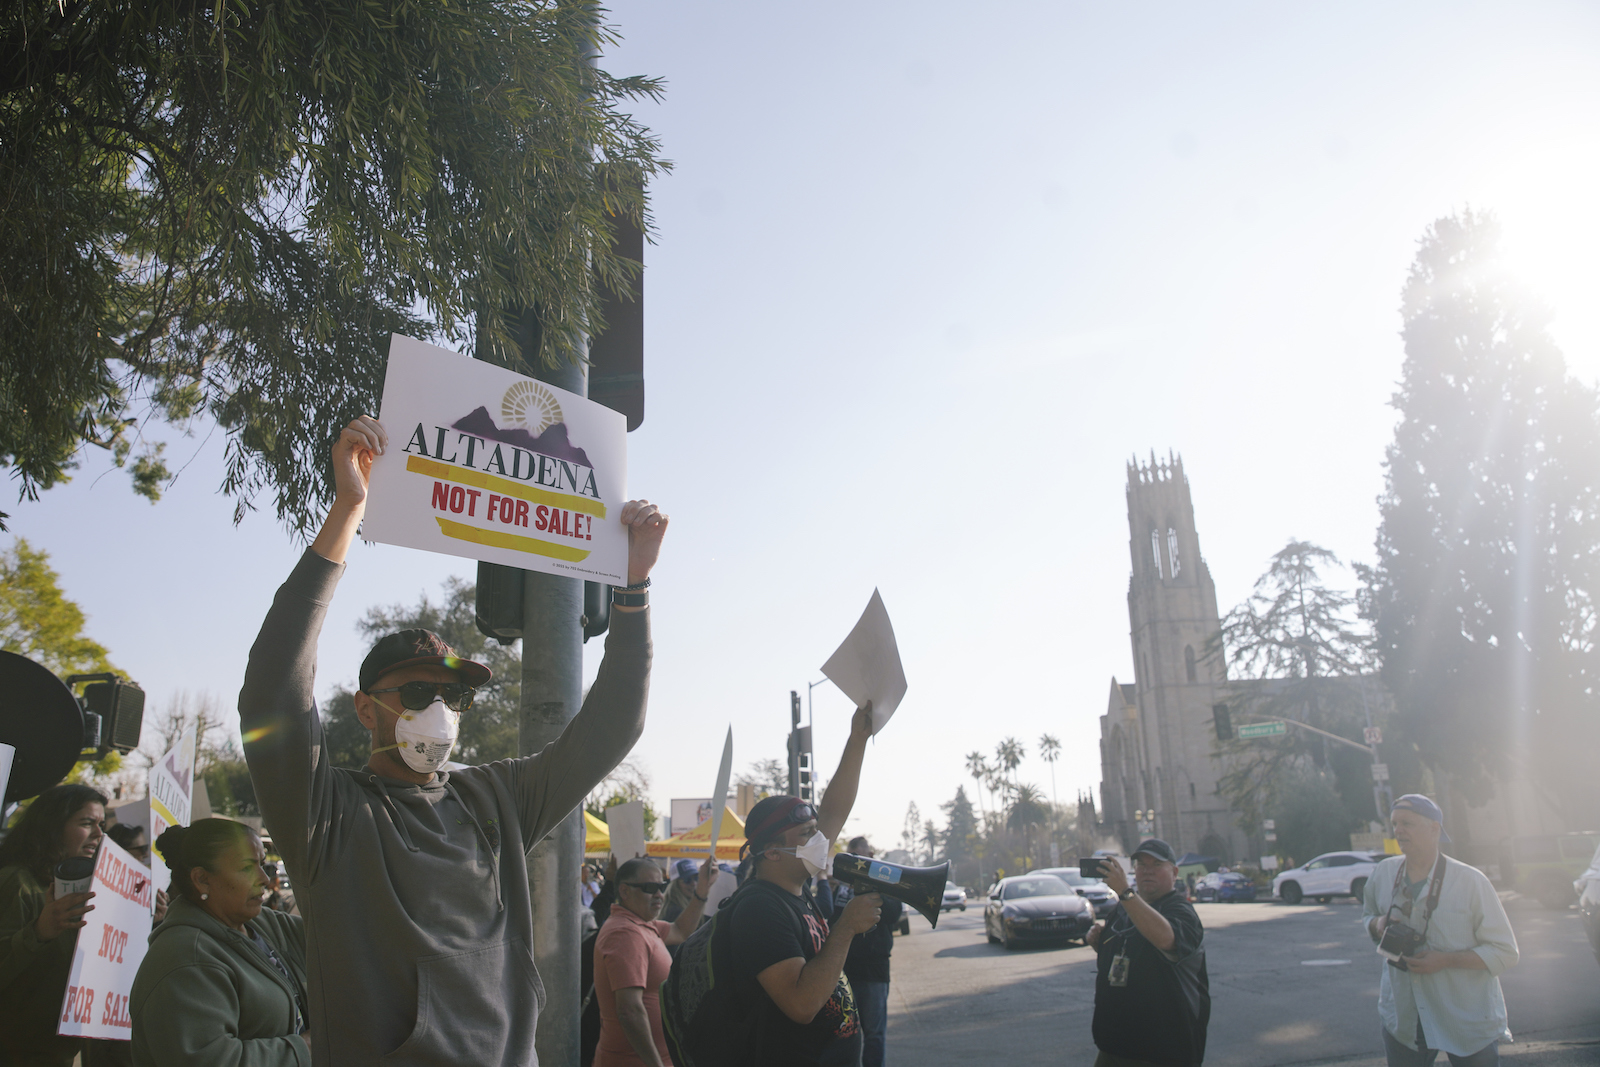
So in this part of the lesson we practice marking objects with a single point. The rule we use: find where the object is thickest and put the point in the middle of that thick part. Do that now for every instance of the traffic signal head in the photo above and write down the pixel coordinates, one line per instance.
(1223, 721)
(794, 707)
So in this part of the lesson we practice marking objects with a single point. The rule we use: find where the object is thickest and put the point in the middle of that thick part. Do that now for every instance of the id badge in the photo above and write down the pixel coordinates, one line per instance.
(1119, 970)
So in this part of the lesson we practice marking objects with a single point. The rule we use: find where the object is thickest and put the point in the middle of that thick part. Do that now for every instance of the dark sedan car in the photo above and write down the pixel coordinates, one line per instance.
(1035, 907)
(1225, 889)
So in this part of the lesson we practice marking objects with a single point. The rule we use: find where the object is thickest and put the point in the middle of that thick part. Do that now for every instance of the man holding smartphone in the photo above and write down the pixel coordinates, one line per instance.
(1152, 997)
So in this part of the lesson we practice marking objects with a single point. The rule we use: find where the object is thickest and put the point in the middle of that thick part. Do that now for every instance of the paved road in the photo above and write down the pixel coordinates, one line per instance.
(1289, 986)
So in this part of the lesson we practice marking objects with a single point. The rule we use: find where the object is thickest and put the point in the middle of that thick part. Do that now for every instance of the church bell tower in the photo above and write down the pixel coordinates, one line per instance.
(1178, 677)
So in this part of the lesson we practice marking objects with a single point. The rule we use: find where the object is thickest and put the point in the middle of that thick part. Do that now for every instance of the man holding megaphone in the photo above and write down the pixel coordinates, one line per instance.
(788, 962)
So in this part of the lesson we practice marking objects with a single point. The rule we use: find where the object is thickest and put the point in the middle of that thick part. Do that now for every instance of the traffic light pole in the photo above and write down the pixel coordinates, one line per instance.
(552, 691)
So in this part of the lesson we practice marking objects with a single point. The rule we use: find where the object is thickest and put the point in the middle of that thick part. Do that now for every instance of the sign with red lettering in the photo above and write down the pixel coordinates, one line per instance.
(171, 792)
(109, 949)
(485, 463)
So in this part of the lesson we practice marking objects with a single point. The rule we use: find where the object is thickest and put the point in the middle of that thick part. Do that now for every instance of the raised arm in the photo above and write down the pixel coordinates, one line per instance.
(277, 713)
(551, 783)
(841, 794)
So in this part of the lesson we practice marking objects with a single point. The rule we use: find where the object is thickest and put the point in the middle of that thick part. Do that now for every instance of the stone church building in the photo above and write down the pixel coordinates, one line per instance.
(1157, 733)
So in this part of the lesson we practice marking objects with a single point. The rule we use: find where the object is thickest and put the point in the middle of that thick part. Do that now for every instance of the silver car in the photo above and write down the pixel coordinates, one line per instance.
(1096, 892)
(954, 897)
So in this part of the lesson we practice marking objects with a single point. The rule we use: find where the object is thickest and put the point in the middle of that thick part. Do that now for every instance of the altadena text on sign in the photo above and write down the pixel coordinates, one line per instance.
(491, 465)
(109, 949)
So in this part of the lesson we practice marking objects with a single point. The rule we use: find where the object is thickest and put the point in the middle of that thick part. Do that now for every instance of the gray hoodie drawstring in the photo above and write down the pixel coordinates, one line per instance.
(394, 813)
(494, 857)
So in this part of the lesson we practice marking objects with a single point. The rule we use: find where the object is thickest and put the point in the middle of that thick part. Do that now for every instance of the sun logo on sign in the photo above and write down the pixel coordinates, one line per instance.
(532, 405)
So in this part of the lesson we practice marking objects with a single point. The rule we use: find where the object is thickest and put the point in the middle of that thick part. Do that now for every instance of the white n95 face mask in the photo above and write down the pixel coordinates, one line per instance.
(426, 737)
(814, 853)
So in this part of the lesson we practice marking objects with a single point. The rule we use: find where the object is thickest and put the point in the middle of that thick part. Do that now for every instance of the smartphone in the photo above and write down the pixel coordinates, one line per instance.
(1089, 867)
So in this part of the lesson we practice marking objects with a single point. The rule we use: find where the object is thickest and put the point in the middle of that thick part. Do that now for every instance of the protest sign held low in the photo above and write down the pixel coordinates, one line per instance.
(491, 465)
(867, 665)
(110, 948)
(171, 793)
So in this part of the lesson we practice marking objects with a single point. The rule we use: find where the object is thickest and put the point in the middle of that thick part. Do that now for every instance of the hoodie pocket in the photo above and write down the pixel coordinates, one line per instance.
(472, 1007)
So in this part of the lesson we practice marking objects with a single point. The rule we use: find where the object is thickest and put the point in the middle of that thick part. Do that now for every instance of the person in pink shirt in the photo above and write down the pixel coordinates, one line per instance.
(631, 962)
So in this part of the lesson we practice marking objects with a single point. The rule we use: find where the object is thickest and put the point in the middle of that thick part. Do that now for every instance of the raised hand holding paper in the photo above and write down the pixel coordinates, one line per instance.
(491, 465)
(867, 665)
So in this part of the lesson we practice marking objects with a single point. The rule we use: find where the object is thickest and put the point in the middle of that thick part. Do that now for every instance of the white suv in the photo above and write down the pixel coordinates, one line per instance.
(1332, 874)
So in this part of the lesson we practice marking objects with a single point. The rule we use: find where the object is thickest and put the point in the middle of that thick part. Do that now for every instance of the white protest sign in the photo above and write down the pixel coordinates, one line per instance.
(626, 823)
(110, 948)
(487, 464)
(171, 792)
(724, 769)
(7, 753)
(867, 665)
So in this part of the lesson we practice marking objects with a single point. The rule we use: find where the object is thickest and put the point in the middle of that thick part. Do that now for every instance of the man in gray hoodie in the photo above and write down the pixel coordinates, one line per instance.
(414, 885)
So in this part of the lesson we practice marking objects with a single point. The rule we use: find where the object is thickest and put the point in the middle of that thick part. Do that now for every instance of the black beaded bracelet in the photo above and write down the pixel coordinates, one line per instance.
(636, 587)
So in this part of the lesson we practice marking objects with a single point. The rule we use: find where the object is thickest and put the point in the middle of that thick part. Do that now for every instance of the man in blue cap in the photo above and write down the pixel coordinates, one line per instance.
(1445, 938)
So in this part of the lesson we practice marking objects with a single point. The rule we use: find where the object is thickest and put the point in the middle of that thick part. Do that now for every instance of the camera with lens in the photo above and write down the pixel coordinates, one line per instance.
(1399, 941)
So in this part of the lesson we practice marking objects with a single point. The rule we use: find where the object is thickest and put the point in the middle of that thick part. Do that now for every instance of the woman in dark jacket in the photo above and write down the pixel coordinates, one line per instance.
(39, 933)
(223, 983)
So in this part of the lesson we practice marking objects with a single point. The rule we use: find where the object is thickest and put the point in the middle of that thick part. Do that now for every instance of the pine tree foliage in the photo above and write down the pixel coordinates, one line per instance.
(1301, 654)
(222, 210)
(1484, 596)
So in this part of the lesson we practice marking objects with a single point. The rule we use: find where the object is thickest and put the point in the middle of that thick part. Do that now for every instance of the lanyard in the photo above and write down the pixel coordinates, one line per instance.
(1436, 883)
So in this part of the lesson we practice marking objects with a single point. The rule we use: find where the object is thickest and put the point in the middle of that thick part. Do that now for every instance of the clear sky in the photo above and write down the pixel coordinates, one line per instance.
(927, 276)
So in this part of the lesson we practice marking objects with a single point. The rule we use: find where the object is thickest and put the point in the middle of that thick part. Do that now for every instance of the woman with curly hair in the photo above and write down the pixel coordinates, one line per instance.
(38, 931)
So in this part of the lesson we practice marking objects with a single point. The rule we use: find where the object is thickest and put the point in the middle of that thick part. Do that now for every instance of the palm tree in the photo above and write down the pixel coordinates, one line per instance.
(1026, 811)
(1050, 750)
(978, 767)
(1008, 754)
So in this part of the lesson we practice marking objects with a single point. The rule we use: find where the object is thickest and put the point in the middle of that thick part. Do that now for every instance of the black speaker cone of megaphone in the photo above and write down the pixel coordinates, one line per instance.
(41, 718)
(921, 888)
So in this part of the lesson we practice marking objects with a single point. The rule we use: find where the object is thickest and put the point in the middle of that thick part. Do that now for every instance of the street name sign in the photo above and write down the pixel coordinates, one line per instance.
(1263, 729)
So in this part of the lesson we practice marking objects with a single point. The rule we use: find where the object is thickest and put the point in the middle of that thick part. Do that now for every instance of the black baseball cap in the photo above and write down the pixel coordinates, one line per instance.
(411, 647)
(1158, 848)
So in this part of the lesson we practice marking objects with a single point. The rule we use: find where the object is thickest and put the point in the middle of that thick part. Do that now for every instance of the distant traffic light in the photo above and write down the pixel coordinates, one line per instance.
(1223, 721)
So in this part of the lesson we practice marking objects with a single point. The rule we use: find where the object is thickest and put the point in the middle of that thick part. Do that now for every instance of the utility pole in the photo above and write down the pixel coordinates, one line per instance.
(552, 692)
(794, 743)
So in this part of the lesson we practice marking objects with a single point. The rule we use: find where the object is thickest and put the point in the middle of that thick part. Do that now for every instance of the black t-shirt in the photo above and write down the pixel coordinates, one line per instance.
(771, 925)
(1160, 1016)
(869, 952)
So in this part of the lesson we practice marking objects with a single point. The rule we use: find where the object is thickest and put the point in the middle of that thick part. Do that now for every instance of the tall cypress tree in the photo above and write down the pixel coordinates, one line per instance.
(1483, 598)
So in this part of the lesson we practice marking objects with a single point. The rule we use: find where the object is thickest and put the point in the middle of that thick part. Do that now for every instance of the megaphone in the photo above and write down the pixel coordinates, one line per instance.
(920, 887)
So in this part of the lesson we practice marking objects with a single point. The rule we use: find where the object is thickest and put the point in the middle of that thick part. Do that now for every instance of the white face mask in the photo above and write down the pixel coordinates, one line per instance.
(814, 853)
(425, 737)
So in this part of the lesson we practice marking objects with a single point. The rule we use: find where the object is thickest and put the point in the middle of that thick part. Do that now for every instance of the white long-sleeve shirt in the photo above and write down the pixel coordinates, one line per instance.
(1461, 1010)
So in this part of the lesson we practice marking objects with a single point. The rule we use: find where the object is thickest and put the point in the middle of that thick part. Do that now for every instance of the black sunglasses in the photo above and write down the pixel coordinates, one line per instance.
(414, 696)
(649, 887)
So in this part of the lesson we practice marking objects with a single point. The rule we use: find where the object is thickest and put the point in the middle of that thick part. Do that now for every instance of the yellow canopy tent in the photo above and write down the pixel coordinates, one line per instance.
(596, 835)
(692, 844)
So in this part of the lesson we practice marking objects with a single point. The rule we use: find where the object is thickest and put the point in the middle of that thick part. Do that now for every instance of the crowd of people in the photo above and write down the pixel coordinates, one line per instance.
(407, 940)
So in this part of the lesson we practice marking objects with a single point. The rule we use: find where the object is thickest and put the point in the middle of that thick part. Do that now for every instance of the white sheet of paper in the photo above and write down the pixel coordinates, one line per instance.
(867, 665)
(626, 823)
(718, 810)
